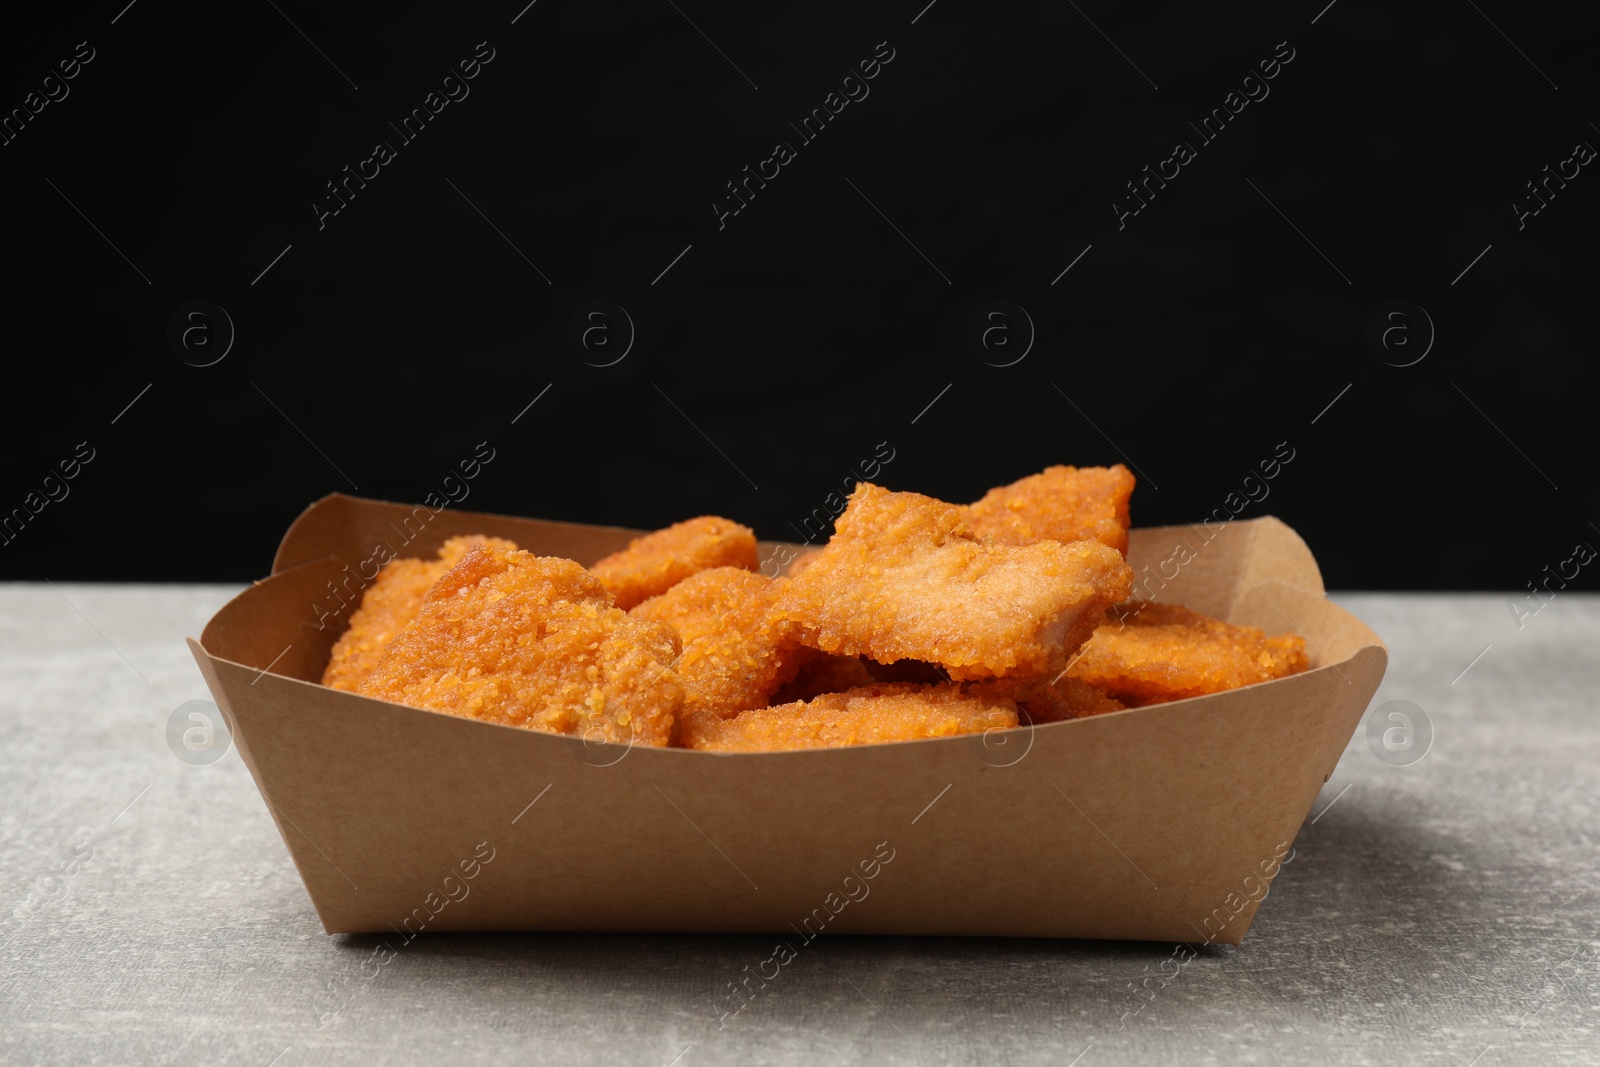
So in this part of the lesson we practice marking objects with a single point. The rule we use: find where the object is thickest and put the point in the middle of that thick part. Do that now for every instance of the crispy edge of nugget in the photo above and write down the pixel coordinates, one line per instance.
(863, 716)
(654, 563)
(387, 605)
(904, 578)
(1149, 653)
(1056, 701)
(534, 641)
(1058, 504)
(732, 659)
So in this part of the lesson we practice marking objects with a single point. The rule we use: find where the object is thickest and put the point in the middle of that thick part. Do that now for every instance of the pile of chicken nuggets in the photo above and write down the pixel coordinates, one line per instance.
(918, 619)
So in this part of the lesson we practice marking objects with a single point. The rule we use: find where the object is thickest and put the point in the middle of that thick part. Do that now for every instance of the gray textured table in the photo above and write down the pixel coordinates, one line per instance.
(1443, 912)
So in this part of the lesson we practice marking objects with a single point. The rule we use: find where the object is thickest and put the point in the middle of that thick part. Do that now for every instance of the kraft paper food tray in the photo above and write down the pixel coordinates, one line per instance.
(1157, 823)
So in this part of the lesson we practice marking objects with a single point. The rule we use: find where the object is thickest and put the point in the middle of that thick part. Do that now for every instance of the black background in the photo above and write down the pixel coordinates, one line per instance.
(807, 330)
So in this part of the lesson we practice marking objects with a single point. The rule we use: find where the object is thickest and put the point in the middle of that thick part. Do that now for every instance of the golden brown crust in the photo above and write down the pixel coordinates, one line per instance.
(654, 563)
(905, 578)
(525, 640)
(1147, 653)
(856, 717)
(732, 659)
(392, 600)
(1058, 504)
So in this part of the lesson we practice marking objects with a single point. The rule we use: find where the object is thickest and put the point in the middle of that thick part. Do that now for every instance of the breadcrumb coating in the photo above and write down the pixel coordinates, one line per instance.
(904, 577)
(656, 562)
(1147, 653)
(509, 637)
(732, 659)
(857, 717)
(1059, 504)
(392, 600)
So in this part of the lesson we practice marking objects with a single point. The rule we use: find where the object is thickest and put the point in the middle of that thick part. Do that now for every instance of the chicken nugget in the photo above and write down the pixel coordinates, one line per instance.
(392, 600)
(1064, 698)
(654, 563)
(905, 578)
(510, 637)
(857, 717)
(455, 549)
(1147, 653)
(732, 660)
(1058, 504)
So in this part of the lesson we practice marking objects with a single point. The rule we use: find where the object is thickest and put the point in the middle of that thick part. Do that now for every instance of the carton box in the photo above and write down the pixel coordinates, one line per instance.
(1158, 823)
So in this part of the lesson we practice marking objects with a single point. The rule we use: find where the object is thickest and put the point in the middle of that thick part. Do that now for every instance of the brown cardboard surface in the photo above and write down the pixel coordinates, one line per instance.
(348, 528)
(1152, 823)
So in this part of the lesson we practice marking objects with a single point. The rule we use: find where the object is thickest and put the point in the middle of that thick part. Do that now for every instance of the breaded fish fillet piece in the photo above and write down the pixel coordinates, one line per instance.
(1058, 504)
(1147, 653)
(656, 562)
(905, 578)
(732, 659)
(510, 637)
(856, 717)
(392, 600)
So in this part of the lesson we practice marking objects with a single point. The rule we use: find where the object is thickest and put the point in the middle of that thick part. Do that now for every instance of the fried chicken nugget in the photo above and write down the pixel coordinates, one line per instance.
(1064, 698)
(1059, 504)
(857, 717)
(1147, 653)
(392, 600)
(654, 563)
(732, 659)
(510, 637)
(905, 578)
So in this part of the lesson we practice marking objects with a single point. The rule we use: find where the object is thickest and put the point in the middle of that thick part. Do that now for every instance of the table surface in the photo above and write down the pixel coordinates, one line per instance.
(1442, 912)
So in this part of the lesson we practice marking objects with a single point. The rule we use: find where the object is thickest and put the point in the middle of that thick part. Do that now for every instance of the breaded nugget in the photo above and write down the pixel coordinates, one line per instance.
(455, 549)
(732, 659)
(656, 562)
(857, 717)
(1064, 698)
(904, 578)
(392, 600)
(1058, 504)
(1147, 653)
(510, 637)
